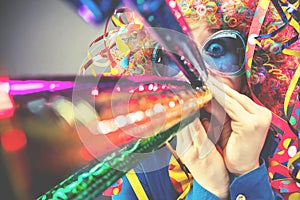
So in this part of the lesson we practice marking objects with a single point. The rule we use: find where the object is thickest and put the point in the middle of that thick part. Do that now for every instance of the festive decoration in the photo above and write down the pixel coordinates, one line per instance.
(271, 67)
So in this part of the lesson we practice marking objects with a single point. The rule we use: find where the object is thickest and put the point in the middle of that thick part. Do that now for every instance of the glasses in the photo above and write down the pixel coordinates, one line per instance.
(163, 64)
(223, 53)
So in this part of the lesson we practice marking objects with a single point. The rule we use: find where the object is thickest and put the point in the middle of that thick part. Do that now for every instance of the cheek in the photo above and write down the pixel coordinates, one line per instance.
(226, 63)
(234, 83)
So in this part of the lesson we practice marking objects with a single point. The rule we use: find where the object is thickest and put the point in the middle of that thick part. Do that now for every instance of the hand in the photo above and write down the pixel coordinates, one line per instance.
(249, 123)
(203, 160)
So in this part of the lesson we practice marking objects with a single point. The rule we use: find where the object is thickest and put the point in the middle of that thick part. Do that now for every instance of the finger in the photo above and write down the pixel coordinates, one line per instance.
(180, 137)
(201, 141)
(245, 101)
(206, 148)
(205, 123)
(213, 128)
(234, 109)
(198, 132)
(184, 140)
(226, 132)
(216, 110)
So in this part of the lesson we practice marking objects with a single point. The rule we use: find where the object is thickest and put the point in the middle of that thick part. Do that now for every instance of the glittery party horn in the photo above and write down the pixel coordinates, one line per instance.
(155, 109)
(137, 115)
(163, 19)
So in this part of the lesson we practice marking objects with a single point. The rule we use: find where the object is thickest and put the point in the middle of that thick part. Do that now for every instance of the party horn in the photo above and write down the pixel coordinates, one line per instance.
(143, 112)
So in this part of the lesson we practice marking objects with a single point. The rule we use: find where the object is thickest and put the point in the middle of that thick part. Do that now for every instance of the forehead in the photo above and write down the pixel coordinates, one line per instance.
(203, 31)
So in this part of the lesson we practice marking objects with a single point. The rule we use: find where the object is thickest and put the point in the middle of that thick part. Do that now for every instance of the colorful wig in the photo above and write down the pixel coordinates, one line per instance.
(276, 56)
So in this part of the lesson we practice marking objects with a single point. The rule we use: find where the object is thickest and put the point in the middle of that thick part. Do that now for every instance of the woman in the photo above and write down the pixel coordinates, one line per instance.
(236, 167)
(239, 137)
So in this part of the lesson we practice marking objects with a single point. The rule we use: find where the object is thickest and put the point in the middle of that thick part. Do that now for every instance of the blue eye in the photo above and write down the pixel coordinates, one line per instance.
(223, 51)
(215, 49)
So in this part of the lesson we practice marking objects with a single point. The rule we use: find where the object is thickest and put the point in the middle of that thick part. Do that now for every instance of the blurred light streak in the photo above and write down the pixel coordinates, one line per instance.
(86, 14)
(18, 87)
(6, 102)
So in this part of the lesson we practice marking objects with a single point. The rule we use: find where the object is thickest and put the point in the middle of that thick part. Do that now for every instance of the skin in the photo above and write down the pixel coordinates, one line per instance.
(243, 132)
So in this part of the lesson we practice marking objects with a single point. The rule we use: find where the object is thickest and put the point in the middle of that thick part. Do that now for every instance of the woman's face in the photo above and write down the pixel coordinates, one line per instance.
(223, 52)
(222, 56)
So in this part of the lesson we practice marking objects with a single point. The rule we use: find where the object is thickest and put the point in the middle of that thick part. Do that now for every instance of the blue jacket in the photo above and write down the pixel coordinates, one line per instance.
(157, 185)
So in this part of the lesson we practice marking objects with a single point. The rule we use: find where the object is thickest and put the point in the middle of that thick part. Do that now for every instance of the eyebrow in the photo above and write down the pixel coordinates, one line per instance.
(213, 30)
